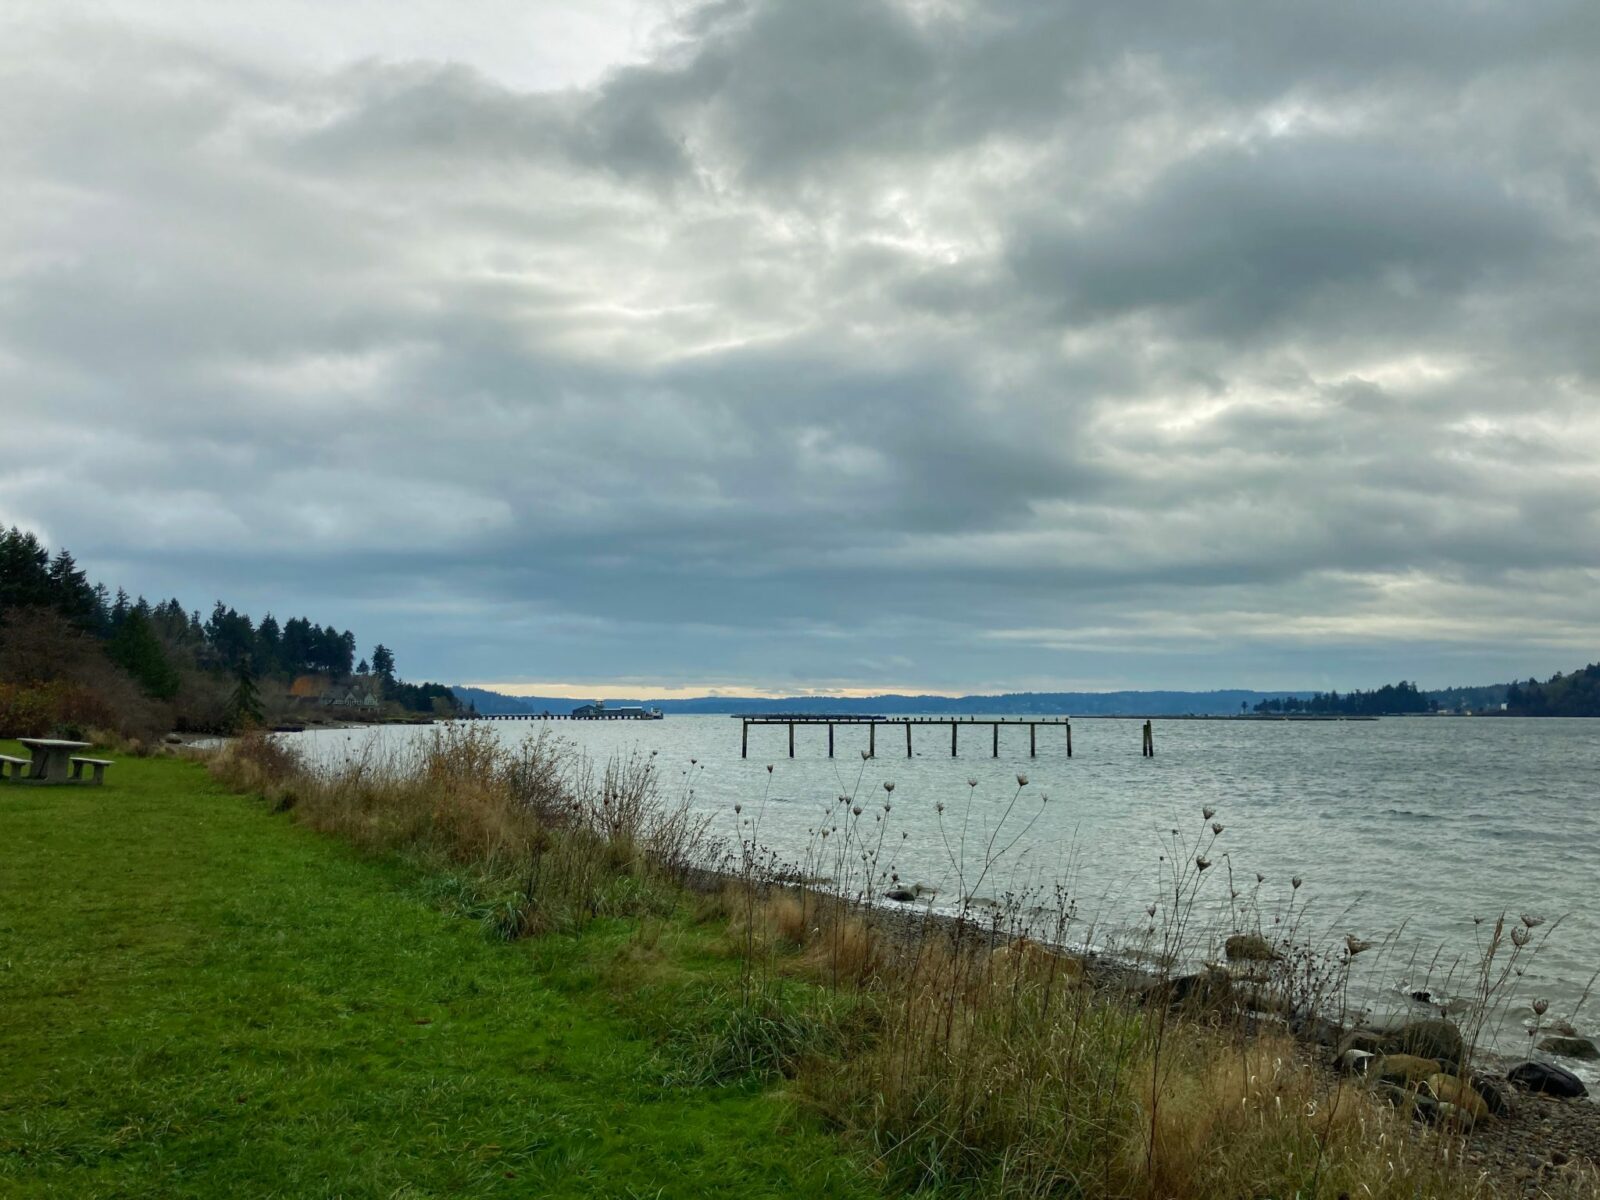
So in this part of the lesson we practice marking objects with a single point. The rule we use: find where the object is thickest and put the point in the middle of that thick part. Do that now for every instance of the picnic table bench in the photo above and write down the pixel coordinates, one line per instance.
(99, 765)
(54, 761)
(16, 764)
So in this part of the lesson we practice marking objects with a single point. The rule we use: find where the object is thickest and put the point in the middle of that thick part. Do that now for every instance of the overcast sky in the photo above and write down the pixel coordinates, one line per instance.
(911, 344)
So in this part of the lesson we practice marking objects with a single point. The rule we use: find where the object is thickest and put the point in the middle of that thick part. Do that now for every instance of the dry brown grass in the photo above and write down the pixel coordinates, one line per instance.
(966, 1058)
(1006, 1072)
(541, 838)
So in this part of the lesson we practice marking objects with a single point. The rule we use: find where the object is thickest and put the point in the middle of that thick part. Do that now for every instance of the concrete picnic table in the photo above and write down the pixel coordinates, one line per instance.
(52, 758)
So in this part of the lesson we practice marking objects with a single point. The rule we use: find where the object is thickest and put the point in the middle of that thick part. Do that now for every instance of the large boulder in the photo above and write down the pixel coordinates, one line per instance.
(1249, 947)
(1547, 1079)
(1447, 1089)
(1495, 1094)
(1205, 989)
(1571, 1047)
(1407, 1070)
(1434, 1038)
(1422, 1108)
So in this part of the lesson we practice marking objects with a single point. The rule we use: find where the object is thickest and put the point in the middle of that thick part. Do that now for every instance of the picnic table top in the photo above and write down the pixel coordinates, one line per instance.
(54, 744)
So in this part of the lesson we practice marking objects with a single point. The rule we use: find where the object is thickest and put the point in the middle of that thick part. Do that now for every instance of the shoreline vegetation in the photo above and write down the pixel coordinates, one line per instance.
(74, 657)
(965, 1056)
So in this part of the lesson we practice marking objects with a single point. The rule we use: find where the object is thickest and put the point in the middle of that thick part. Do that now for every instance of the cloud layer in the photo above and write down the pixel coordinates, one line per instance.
(845, 343)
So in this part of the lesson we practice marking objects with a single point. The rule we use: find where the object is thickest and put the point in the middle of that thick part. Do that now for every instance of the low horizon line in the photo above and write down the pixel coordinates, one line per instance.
(568, 691)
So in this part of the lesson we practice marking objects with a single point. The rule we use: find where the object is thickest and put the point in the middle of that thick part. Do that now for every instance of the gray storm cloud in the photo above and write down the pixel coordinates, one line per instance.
(828, 344)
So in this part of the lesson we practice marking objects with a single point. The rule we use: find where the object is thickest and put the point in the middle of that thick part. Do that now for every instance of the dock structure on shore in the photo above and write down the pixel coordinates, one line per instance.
(908, 724)
(615, 715)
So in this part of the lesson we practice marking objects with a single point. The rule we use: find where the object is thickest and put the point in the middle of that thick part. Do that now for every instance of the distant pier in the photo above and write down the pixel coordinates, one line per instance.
(548, 716)
(1032, 724)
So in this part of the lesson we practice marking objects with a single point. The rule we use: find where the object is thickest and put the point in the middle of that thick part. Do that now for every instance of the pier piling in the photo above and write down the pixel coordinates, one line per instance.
(1149, 749)
(790, 720)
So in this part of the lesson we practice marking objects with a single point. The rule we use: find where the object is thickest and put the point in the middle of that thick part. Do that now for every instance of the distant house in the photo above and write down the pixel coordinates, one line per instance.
(309, 687)
(598, 710)
(349, 697)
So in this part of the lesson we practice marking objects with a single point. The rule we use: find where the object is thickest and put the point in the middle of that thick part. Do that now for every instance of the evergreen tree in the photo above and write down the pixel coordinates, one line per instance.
(24, 571)
(137, 650)
(269, 645)
(71, 594)
(244, 706)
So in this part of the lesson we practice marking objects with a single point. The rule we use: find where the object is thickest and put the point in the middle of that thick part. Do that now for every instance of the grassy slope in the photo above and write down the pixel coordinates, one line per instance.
(198, 998)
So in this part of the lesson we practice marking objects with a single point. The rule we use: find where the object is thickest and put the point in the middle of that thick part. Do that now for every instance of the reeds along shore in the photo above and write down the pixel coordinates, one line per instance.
(957, 1054)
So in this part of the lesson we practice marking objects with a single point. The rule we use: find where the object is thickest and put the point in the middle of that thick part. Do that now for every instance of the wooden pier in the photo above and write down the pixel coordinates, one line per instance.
(908, 724)
(546, 716)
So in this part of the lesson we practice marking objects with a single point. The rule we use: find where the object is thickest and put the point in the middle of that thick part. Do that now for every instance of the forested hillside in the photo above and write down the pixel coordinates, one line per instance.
(75, 656)
(1576, 694)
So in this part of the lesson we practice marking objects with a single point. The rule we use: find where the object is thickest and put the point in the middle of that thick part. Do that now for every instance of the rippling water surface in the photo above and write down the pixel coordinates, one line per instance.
(1402, 829)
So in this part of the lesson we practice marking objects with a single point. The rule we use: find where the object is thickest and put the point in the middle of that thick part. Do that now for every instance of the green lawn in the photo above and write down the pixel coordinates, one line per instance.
(198, 998)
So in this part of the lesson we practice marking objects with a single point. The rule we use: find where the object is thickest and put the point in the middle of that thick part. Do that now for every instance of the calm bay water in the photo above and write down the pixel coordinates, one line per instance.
(1402, 829)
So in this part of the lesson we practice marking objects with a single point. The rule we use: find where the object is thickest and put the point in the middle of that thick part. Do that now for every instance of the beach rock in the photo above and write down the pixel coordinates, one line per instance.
(1204, 989)
(903, 894)
(1571, 1047)
(1424, 1108)
(173, 739)
(1564, 1028)
(1407, 1069)
(1249, 947)
(1319, 1031)
(1449, 1090)
(1496, 1095)
(1433, 1038)
(1547, 1079)
(1453, 1115)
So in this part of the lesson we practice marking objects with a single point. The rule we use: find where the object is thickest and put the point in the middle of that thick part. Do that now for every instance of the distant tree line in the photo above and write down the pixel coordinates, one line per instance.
(1576, 694)
(59, 629)
(1402, 697)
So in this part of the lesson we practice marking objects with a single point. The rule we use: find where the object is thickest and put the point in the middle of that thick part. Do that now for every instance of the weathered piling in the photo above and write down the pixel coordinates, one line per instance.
(791, 739)
(1033, 740)
(1149, 749)
(1069, 739)
(908, 739)
(872, 739)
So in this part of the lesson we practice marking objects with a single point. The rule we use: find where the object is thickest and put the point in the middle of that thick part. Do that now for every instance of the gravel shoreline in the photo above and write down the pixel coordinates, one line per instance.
(1541, 1146)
